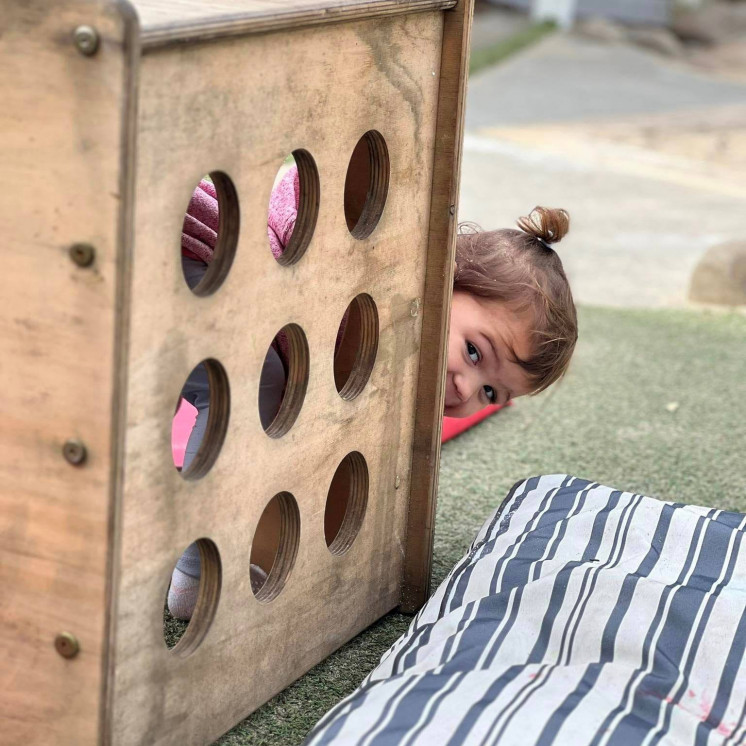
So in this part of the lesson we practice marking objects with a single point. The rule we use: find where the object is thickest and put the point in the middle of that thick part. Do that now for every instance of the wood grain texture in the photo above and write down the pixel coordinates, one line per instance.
(174, 21)
(436, 307)
(240, 106)
(63, 120)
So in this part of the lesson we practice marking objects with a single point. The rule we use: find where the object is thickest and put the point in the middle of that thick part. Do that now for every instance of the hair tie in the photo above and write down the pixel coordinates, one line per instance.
(544, 243)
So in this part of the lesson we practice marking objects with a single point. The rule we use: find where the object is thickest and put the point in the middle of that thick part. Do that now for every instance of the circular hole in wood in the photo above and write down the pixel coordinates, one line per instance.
(284, 380)
(293, 207)
(201, 419)
(210, 233)
(192, 597)
(346, 503)
(274, 547)
(356, 347)
(367, 184)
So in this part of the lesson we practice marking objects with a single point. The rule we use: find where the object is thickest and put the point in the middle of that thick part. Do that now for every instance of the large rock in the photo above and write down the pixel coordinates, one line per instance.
(720, 276)
(712, 23)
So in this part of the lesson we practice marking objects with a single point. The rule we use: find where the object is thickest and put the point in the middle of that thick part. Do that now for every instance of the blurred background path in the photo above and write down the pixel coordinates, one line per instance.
(647, 151)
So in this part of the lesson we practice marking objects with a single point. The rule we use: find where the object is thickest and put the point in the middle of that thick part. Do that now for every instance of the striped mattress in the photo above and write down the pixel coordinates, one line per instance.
(579, 615)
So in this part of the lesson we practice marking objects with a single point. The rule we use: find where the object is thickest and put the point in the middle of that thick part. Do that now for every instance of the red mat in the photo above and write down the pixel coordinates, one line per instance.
(453, 426)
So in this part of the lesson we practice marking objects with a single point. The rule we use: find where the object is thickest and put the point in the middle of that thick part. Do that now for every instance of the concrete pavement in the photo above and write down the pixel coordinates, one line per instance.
(647, 154)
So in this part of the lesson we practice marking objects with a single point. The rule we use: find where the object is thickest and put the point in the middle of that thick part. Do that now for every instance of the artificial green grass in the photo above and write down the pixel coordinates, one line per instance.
(655, 403)
(488, 56)
(610, 420)
(173, 629)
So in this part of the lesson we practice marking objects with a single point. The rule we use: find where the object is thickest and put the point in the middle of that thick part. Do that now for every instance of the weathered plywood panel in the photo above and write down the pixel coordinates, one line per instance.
(241, 106)
(62, 122)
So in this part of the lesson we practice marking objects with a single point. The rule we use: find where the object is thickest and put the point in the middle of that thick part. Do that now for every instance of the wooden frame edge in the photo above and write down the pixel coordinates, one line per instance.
(436, 307)
(156, 36)
(132, 52)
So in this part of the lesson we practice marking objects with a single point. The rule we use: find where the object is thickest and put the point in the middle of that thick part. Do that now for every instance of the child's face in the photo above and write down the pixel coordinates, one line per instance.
(480, 367)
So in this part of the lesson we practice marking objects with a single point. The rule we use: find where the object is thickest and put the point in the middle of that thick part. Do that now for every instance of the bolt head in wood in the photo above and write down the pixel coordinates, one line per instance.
(86, 40)
(397, 482)
(82, 254)
(74, 452)
(66, 645)
(414, 309)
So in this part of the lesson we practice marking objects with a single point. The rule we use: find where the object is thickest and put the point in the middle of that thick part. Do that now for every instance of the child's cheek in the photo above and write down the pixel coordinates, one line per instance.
(453, 351)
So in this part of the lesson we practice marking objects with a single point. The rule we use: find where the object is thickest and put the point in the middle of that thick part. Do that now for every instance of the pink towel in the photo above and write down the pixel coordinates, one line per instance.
(283, 211)
(200, 232)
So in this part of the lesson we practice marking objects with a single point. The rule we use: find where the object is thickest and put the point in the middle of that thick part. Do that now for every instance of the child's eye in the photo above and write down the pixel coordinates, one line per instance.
(491, 394)
(473, 352)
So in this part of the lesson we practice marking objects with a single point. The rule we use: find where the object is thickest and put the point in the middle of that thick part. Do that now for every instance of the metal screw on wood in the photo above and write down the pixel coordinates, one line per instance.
(452, 209)
(82, 254)
(397, 482)
(86, 40)
(74, 452)
(66, 645)
(414, 309)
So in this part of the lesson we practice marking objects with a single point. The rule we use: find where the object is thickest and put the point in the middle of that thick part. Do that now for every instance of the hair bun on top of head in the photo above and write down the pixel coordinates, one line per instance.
(545, 224)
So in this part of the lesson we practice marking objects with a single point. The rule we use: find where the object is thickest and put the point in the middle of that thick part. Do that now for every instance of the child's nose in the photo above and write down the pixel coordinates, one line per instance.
(466, 385)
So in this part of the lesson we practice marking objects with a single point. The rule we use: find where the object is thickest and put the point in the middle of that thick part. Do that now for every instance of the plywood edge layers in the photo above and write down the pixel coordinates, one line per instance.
(157, 31)
(132, 53)
(436, 307)
(62, 138)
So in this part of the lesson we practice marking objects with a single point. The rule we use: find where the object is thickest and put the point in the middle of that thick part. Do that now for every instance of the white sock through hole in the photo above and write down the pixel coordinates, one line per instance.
(182, 595)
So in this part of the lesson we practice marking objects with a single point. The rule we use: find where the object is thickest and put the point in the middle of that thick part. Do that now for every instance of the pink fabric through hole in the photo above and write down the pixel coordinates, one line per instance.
(181, 429)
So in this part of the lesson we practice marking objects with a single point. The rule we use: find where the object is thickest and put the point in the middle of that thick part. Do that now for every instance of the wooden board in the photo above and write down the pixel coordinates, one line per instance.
(63, 120)
(437, 306)
(240, 106)
(172, 21)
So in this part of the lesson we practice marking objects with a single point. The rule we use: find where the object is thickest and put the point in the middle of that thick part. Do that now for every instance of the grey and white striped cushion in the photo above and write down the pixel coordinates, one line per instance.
(580, 615)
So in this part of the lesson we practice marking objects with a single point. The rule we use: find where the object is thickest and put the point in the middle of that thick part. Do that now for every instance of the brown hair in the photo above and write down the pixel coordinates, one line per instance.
(520, 268)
